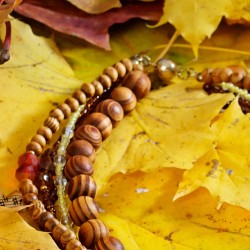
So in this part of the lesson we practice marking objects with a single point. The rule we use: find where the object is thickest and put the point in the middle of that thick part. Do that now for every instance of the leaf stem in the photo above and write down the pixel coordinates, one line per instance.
(4, 51)
(169, 44)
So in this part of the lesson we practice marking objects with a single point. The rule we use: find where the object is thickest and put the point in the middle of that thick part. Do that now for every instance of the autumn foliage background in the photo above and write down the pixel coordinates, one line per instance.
(175, 173)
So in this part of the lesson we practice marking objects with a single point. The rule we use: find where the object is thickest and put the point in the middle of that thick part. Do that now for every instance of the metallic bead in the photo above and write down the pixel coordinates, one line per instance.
(165, 69)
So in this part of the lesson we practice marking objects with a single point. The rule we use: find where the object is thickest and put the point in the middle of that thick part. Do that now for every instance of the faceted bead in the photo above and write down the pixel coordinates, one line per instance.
(28, 158)
(26, 172)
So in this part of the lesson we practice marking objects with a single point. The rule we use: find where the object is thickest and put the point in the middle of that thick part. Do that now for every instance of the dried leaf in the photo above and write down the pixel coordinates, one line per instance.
(65, 18)
(17, 234)
(96, 6)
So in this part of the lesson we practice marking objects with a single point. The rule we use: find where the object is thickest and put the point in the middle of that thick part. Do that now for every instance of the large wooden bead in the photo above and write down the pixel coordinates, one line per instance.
(67, 236)
(112, 109)
(81, 147)
(125, 97)
(81, 185)
(109, 243)
(91, 231)
(101, 122)
(75, 245)
(50, 224)
(58, 230)
(138, 82)
(82, 209)
(27, 186)
(52, 123)
(90, 134)
(76, 165)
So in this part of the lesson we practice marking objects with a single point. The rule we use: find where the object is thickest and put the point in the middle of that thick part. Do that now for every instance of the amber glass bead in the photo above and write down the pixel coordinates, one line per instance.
(109, 243)
(82, 209)
(90, 134)
(81, 185)
(28, 158)
(26, 172)
(101, 122)
(81, 147)
(125, 97)
(91, 231)
(76, 165)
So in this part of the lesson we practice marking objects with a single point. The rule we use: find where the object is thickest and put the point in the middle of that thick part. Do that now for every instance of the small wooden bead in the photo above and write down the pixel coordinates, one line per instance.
(65, 109)
(58, 230)
(75, 245)
(138, 82)
(128, 64)
(121, 69)
(36, 213)
(76, 165)
(112, 109)
(206, 75)
(39, 139)
(112, 73)
(67, 236)
(44, 217)
(50, 224)
(29, 198)
(35, 147)
(101, 122)
(82, 209)
(225, 74)
(98, 87)
(81, 185)
(73, 103)
(52, 123)
(79, 96)
(57, 113)
(26, 186)
(105, 80)
(36, 204)
(91, 231)
(109, 243)
(88, 89)
(125, 97)
(81, 147)
(216, 75)
(45, 132)
(246, 82)
(90, 134)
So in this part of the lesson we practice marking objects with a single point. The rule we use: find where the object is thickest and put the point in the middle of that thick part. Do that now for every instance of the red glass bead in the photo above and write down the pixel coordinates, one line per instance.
(28, 159)
(26, 171)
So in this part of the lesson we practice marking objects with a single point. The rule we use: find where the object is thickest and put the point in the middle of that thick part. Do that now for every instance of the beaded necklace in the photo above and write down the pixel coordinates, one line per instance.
(92, 112)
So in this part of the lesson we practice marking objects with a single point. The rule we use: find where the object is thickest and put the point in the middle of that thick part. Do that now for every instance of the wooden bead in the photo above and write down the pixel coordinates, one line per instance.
(138, 82)
(216, 75)
(76, 165)
(121, 69)
(101, 122)
(98, 87)
(81, 185)
(105, 80)
(50, 224)
(26, 186)
(57, 113)
(29, 198)
(109, 243)
(39, 139)
(35, 147)
(88, 89)
(112, 109)
(91, 231)
(112, 73)
(75, 245)
(225, 74)
(45, 132)
(79, 96)
(36, 204)
(44, 217)
(128, 64)
(246, 82)
(58, 230)
(52, 123)
(81, 147)
(82, 209)
(65, 109)
(90, 134)
(37, 213)
(73, 103)
(206, 75)
(125, 97)
(67, 236)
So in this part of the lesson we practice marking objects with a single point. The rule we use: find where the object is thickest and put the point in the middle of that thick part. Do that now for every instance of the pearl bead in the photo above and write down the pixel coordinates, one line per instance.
(166, 69)
(109, 243)
(76, 165)
(91, 231)
(81, 185)
(82, 209)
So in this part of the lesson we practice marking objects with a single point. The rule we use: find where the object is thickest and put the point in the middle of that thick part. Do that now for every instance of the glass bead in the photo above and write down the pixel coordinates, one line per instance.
(28, 158)
(69, 131)
(60, 159)
(27, 172)
(61, 150)
(60, 181)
